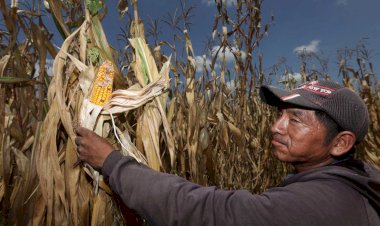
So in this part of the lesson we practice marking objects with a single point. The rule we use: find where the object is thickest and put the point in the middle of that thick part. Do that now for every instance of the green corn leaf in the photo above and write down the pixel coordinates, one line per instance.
(145, 66)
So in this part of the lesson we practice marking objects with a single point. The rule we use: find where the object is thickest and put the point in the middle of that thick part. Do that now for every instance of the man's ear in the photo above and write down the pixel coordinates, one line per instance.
(342, 143)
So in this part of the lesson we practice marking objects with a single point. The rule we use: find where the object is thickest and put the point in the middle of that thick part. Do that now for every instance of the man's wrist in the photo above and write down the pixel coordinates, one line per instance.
(110, 162)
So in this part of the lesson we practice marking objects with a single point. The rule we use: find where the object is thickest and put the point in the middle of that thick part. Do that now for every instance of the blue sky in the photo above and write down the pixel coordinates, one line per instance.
(320, 26)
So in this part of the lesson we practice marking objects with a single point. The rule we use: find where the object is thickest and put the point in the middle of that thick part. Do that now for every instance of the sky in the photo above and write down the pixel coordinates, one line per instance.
(317, 26)
(321, 26)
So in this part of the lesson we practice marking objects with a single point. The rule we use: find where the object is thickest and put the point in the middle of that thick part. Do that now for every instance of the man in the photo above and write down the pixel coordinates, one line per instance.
(319, 125)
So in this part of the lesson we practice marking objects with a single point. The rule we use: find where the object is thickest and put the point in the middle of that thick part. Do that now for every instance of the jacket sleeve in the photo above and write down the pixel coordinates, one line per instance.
(165, 199)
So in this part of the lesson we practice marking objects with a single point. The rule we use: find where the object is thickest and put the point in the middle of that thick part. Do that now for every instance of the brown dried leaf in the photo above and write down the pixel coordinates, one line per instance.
(3, 64)
(122, 7)
(126, 100)
(55, 7)
(144, 66)
(150, 123)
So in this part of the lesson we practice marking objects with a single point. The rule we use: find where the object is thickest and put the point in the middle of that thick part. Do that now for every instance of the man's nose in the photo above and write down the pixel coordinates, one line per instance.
(279, 125)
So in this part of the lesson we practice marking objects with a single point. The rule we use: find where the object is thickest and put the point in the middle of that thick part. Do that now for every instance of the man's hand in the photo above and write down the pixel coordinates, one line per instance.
(92, 148)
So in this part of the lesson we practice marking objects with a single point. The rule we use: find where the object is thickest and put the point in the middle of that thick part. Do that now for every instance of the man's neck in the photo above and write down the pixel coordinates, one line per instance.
(305, 166)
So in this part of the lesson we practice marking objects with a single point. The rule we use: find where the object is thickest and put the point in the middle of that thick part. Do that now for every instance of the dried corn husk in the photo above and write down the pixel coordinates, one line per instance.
(154, 114)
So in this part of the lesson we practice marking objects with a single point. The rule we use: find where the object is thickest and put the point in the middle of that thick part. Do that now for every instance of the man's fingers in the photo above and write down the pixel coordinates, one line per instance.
(81, 131)
(77, 141)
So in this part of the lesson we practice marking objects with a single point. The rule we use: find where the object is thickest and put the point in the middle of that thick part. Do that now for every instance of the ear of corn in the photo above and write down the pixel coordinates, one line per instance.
(102, 88)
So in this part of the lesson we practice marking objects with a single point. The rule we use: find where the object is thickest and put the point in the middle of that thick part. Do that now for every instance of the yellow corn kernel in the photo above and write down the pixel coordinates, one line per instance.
(102, 88)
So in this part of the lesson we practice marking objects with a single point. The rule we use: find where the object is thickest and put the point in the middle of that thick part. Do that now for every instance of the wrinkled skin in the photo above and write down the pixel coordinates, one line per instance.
(298, 138)
(91, 147)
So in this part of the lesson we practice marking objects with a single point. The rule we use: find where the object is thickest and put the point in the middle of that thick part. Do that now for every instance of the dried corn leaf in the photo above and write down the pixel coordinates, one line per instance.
(100, 38)
(223, 131)
(54, 185)
(55, 7)
(189, 46)
(192, 141)
(20, 188)
(193, 122)
(129, 149)
(161, 103)
(144, 66)
(151, 119)
(5, 148)
(98, 210)
(83, 40)
(47, 165)
(122, 7)
(58, 67)
(85, 80)
(2, 190)
(72, 177)
(126, 100)
(15, 80)
(3, 64)
(150, 122)
(78, 64)
(39, 211)
(171, 110)
(236, 132)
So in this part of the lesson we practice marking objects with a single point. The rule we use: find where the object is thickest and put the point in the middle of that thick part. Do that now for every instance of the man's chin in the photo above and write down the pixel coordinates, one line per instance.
(280, 155)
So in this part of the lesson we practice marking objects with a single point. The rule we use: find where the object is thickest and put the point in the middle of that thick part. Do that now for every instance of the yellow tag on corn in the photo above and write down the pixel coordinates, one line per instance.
(102, 88)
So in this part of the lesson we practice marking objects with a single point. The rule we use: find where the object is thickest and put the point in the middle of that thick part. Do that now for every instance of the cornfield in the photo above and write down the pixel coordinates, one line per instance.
(161, 111)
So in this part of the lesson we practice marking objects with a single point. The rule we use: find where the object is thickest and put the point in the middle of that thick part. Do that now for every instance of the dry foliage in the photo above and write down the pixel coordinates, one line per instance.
(209, 127)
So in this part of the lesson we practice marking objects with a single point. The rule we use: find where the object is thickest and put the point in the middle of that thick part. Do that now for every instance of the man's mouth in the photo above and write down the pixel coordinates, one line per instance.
(276, 140)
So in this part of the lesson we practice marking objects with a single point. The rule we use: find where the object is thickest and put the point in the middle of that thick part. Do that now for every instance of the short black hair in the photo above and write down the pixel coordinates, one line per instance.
(331, 126)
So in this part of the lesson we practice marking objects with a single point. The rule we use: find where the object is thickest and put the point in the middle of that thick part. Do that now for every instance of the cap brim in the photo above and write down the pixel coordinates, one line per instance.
(275, 97)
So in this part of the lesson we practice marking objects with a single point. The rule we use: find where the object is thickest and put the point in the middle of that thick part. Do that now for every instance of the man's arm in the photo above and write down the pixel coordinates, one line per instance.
(165, 199)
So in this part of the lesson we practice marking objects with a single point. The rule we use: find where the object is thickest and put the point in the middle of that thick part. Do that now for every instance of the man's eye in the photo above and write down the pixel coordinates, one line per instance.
(294, 120)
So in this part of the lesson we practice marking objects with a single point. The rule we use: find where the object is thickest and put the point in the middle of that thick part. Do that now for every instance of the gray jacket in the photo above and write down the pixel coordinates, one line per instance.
(330, 195)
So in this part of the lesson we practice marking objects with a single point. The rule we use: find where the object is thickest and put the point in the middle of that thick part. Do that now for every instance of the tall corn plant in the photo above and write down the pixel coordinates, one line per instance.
(65, 196)
(220, 131)
(54, 189)
(245, 160)
(22, 107)
(357, 73)
(74, 68)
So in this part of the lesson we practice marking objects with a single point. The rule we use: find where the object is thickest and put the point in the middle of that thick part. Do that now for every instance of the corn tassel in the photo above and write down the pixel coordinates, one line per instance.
(102, 88)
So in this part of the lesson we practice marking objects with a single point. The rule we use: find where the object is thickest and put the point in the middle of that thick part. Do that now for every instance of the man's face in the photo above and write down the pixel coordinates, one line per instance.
(298, 138)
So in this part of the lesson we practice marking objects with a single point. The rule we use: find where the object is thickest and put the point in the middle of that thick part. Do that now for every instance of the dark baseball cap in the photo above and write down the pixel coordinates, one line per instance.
(343, 105)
